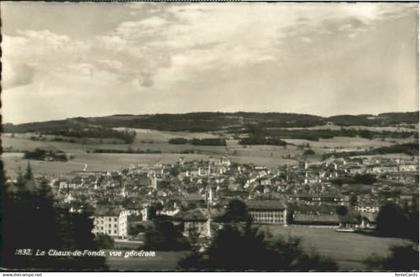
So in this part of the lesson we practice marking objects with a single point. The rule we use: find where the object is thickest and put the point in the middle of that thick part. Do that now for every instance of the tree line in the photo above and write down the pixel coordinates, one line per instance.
(196, 141)
(31, 220)
(43, 154)
(212, 121)
(124, 151)
(317, 134)
(126, 136)
(411, 149)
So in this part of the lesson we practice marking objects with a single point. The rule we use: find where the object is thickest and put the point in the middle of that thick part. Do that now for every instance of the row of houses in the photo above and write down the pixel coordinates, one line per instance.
(201, 221)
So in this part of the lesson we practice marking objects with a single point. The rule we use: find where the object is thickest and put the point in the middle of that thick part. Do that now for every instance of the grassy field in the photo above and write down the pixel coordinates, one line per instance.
(348, 249)
(12, 161)
(342, 143)
(354, 127)
(146, 134)
(152, 140)
(158, 140)
(271, 156)
(262, 155)
(21, 142)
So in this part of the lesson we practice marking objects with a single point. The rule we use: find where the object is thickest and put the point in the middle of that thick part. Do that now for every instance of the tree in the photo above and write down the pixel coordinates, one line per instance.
(174, 171)
(162, 235)
(236, 211)
(51, 227)
(402, 258)
(367, 179)
(194, 238)
(353, 200)
(390, 220)
(241, 179)
(135, 229)
(104, 241)
(309, 152)
(342, 210)
(393, 220)
(412, 229)
(20, 181)
(289, 217)
(240, 247)
(28, 174)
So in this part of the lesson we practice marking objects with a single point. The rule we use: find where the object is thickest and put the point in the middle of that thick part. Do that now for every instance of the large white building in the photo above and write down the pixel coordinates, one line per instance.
(267, 212)
(113, 223)
(106, 224)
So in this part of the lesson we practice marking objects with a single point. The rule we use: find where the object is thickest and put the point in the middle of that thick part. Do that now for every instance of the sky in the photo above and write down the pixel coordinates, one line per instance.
(63, 60)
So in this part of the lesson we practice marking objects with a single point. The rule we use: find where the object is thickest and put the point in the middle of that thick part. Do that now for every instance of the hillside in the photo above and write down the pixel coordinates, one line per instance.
(214, 121)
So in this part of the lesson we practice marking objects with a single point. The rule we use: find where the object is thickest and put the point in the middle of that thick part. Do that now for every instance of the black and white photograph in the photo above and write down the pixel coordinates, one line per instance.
(209, 137)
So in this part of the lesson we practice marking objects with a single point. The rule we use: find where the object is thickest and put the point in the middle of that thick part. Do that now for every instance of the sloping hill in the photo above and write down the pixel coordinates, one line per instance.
(213, 121)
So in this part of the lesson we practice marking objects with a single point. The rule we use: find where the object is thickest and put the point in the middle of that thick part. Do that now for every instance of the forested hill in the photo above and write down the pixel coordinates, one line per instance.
(214, 121)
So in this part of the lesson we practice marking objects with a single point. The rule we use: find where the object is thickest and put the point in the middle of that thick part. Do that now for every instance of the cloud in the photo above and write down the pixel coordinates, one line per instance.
(182, 40)
(352, 35)
(179, 57)
(51, 54)
(145, 79)
(17, 75)
(171, 42)
(45, 36)
(43, 50)
(112, 42)
(140, 29)
(306, 39)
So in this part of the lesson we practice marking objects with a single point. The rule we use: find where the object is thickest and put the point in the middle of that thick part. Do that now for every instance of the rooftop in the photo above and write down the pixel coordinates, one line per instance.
(192, 215)
(265, 205)
(107, 211)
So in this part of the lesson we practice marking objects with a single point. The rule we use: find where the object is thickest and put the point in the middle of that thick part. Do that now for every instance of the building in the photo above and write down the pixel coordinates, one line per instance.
(315, 219)
(196, 222)
(112, 222)
(408, 168)
(106, 222)
(123, 221)
(267, 211)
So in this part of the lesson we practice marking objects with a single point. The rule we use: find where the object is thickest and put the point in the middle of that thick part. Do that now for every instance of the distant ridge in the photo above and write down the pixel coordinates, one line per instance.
(216, 121)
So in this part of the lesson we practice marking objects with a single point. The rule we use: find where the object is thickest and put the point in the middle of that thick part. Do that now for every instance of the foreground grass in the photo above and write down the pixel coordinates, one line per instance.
(348, 249)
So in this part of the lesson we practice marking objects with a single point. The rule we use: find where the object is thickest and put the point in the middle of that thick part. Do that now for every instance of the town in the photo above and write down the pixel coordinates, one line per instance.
(150, 136)
(194, 194)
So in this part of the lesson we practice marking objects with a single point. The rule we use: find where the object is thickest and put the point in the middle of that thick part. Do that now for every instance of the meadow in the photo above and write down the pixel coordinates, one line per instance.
(261, 155)
(95, 162)
(356, 127)
(349, 250)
